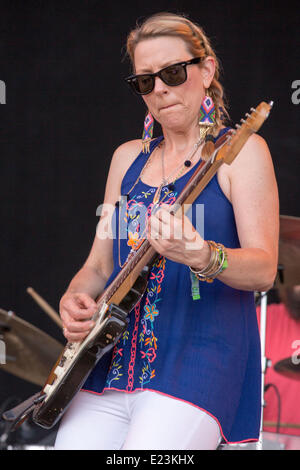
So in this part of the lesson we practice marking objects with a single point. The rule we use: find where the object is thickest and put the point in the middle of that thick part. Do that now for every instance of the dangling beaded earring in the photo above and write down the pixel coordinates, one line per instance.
(207, 120)
(147, 132)
(207, 116)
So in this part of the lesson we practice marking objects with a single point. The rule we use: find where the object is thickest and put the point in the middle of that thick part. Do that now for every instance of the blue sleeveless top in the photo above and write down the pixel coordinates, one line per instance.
(205, 352)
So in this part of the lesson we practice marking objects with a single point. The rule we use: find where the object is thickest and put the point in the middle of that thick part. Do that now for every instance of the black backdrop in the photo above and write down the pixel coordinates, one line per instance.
(67, 109)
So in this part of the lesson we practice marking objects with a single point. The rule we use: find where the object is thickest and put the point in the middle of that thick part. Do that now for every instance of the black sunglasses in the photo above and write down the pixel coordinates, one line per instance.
(172, 75)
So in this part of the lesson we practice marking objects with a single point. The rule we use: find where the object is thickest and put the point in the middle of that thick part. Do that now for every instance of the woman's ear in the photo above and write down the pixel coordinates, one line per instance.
(208, 68)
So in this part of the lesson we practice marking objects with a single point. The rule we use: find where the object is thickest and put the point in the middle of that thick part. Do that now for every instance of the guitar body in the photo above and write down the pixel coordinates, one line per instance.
(74, 370)
(49, 412)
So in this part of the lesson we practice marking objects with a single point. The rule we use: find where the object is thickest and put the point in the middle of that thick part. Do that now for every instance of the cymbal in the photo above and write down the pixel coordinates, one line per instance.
(29, 352)
(289, 228)
(288, 367)
(289, 249)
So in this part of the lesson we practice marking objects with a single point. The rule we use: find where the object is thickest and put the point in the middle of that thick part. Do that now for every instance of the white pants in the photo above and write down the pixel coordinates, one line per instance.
(132, 421)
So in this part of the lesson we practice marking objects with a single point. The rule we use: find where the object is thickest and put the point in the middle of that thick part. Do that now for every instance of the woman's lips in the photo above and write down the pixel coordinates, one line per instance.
(168, 107)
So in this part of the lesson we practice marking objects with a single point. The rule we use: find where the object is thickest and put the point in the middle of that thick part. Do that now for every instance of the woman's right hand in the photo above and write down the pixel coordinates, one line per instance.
(76, 311)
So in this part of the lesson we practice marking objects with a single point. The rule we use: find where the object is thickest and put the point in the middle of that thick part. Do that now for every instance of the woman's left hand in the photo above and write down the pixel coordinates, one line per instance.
(174, 237)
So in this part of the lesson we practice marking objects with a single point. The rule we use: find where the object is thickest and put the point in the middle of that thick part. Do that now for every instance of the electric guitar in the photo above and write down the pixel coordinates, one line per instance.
(77, 360)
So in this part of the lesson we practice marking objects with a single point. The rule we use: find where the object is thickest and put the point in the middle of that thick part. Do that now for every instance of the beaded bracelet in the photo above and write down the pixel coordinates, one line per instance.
(217, 263)
(212, 261)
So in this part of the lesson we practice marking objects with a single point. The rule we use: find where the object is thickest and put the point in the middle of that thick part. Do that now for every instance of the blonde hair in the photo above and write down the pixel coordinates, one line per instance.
(170, 24)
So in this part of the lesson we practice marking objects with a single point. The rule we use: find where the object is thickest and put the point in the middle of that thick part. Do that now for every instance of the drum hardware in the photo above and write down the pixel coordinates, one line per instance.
(29, 447)
(5, 435)
(269, 385)
(269, 441)
(280, 271)
(3, 328)
(27, 436)
(282, 425)
(30, 352)
(289, 367)
(6, 358)
(289, 250)
(264, 360)
(289, 259)
(289, 275)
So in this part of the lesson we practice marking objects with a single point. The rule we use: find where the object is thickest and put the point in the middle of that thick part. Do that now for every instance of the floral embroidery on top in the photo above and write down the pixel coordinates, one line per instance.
(143, 346)
(116, 366)
(147, 339)
(133, 239)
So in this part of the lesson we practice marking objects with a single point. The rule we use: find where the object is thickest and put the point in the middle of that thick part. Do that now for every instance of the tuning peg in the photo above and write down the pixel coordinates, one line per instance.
(243, 120)
(253, 110)
(248, 115)
(238, 126)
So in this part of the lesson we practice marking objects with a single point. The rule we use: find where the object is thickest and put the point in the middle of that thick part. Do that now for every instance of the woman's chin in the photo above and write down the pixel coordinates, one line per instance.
(173, 124)
(172, 120)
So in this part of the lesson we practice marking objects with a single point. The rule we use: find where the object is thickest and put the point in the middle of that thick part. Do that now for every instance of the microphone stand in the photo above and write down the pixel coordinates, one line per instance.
(264, 360)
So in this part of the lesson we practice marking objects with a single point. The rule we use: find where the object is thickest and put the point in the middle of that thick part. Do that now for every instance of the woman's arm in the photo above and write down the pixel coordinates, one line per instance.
(254, 196)
(78, 305)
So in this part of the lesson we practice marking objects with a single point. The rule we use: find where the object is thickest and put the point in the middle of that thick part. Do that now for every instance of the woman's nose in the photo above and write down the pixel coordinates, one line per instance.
(160, 86)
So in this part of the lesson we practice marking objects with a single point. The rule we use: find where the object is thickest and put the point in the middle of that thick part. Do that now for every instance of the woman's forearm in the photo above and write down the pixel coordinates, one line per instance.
(89, 281)
(249, 269)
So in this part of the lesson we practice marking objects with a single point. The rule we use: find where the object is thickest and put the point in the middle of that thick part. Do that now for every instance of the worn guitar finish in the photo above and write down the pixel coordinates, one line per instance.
(77, 360)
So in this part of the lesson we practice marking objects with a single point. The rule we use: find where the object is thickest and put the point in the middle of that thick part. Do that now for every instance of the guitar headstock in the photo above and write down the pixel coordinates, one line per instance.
(238, 136)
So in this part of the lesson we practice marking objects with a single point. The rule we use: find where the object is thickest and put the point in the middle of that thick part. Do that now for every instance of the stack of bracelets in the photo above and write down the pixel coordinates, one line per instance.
(216, 264)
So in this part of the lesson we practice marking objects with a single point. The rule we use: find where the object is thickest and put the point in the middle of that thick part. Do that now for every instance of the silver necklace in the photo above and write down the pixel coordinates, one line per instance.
(186, 163)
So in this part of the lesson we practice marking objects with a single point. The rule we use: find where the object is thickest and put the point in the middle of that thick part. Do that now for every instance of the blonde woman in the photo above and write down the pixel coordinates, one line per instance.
(186, 372)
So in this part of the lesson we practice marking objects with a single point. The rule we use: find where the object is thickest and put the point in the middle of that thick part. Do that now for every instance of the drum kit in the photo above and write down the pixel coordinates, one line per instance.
(289, 264)
(29, 354)
(289, 276)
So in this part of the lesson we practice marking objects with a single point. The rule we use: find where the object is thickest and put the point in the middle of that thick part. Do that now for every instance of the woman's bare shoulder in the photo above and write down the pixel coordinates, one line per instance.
(122, 158)
(128, 150)
(124, 155)
(254, 156)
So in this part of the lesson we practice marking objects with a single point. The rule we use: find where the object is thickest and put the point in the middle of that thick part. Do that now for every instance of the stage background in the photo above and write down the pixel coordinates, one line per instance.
(67, 109)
